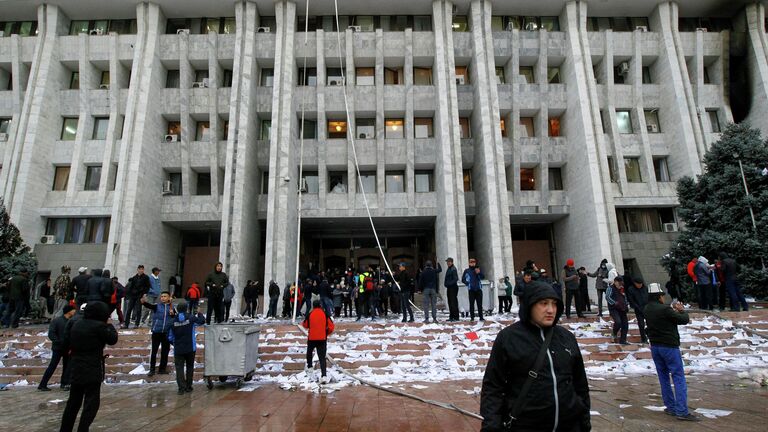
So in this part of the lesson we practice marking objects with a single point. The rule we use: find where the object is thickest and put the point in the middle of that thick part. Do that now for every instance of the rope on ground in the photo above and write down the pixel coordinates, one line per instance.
(446, 405)
(748, 330)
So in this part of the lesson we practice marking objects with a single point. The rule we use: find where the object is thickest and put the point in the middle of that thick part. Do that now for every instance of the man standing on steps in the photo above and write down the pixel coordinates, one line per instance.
(451, 284)
(56, 335)
(428, 286)
(154, 292)
(662, 321)
(404, 280)
(471, 278)
(137, 286)
(162, 320)
(535, 378)
(215, 283)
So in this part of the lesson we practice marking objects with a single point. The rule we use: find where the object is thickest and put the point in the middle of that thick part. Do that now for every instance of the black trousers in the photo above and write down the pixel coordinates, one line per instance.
(56, 356)
(159, 340)
(132, 311)
(475, 296)
(641, 324)
(227, 306)
(250, 307)
(569, 296)
(600, 294)
(185, 369)
(706, 292)
(89, 397)
(585, 303)
(453, 302)
(321, 347)
(214, 307)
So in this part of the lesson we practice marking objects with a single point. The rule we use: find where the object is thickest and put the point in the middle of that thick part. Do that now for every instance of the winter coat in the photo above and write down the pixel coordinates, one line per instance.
(451, 277)
(571, 278)
(404, 280)
(612, 274)
(215, 282)
(249, 292)
(600, 275)
(61, 286)
(56, 332)
(138, 285)
(661, 322)
(97, 287)
(703, 272)
(229, 292)
(85, 340)
(155, 287)
(16, 287)
(616, 298)
(80, 285)
(428, 278)
(193, 293)
(637, 297)
(324, 289)
(182, 333)
(161, 316)
(318, 324)
(552, 402)
(274, 290)
(471, 279)
(730, 269)
(337, 296)
(508, 288)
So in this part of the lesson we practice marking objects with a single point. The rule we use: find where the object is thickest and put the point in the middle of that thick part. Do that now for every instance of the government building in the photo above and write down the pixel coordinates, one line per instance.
(178, 133)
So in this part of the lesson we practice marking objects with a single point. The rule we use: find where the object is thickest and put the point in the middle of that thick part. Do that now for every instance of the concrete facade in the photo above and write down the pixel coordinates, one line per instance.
(249, 154)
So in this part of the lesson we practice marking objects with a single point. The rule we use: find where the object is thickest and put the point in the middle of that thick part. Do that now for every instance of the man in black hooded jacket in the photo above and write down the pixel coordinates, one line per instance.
(85, 340)
(558, 399)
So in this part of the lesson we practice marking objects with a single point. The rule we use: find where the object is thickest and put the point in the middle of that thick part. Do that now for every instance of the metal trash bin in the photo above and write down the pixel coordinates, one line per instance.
(231, 350)
(488, 288)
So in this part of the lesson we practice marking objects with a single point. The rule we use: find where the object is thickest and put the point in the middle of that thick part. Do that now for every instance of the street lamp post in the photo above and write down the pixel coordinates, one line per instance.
(751, 212)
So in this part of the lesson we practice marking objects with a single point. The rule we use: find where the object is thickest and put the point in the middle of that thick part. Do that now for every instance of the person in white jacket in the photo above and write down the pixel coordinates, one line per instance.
(612, 273)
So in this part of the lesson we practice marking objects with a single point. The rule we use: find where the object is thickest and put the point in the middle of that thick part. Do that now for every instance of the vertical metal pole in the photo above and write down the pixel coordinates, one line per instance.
(751, 212)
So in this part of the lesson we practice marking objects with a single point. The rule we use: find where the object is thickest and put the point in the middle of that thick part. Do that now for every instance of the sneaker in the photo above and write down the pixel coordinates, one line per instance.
(43, 389)
(411, 320)
(426, 321)
(688, 417)
(324, 380)
(151, 373)
(669, 412)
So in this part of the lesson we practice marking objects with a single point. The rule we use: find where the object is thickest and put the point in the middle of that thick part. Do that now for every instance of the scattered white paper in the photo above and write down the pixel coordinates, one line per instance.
(655, 408)
(713, 413)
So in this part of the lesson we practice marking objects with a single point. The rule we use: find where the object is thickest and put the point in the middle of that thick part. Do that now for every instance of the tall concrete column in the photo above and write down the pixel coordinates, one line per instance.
(757, 59)
(451, 221)
(493, 239)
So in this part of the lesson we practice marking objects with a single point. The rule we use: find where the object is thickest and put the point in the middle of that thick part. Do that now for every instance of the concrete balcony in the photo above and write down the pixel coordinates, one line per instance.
(331, 46)
(365, 98)
(467, 151)
(710, 95)
(659, 145)
(62, 152)
(425, 150)
(6, 103)
(264, 100)
(364, 44)
(596, 42)
(99, 101)
(462, 45)
(424, 98)
(556, 44)
(310, 49)
(423, 45)
(529, 200)
(651, 95)
(199, 47)
(465, 97)
(426, 200)
(201, 153)
(171, 154)
(125, 44)
(631, 144)
(394, 98)
(505, 96)
(225, 48)
(529, 44)
(69, 102)
(557, 97)
(94, 152)
(190, 208)
(398, 200)
(336, 150)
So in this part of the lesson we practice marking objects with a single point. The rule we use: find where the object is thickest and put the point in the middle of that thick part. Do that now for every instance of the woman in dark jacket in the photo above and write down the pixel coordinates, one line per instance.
(85, 341)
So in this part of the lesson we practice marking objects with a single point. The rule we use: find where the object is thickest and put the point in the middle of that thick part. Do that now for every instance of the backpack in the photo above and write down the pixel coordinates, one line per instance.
(368, 283)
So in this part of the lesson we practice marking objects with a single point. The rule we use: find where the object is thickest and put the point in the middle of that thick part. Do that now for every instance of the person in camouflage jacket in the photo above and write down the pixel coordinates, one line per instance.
(61, 290)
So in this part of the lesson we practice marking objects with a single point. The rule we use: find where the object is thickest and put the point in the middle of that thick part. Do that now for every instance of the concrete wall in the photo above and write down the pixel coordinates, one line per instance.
(51, 257)
(647, 249)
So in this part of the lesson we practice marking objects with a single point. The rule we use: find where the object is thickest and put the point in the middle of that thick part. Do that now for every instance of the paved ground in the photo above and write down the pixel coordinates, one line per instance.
(156, 407)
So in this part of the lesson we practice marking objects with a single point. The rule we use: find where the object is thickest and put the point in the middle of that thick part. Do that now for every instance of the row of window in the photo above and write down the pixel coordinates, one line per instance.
(634, 173)
(644, 219)
(394, 182)
(221, 25)
(103, 27)
(364, 23)
(21, 28)
(201, 80)
(78, 230)
(92, 178)
(624, 120)
(100, 125)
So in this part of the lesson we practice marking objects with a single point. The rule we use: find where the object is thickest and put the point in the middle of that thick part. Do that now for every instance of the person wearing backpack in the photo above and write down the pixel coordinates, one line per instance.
(366, 287)
(617, 308)
(320, 325)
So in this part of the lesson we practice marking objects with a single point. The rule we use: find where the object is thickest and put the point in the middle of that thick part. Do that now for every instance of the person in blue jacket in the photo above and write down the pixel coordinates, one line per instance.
(182, 337)
(162, 320)
(471, 278)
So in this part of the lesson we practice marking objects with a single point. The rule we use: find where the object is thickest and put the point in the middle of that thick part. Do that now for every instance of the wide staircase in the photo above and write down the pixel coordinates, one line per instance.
(388, 351)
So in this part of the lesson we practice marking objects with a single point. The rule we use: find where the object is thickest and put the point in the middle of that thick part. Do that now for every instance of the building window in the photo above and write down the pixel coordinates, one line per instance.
(310, 129)
(74, 81)
(78, 230)
(337, 129)
(225, 130)
(227, 81)
(21, 28)
(92, 177)
(551, 23)
(623, 121)
(422, 23)
(394, 182)
(69, 129)
(100, 125)
(527, 73)
(266, 127)
(554, 126)
(393, 128)
(661, 169)
(365, 128)
(203, 183)
(311, 182)
(267, 77)
(365, 76)
(632, 169)
(467, 175)
(335, 76)
(78, 27)
(264, 182)
(555, 179)
(647, 75)
(366, 23)
(174, 128)
(714, 121)
(422, 76)
(707, 80)
(644, 219)
(423, 127)
(553, 75)
(527, 179)
(526, 127)
(203, 131)
(124, 26)
(393, 76)
(500, 79)
(61, 178)
(176, 184)
(462, 75)
(503, 127)
(104, 79)
(308, 77)
(652, 121)
(612, 170)
(460, 23)
(464, 130)
(201, 77)
(368, 180)
(173, 79)
(5, 125)
(424, 181)
(337, 181)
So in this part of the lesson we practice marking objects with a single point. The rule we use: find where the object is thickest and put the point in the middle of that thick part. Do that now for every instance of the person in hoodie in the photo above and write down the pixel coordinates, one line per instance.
(182, 337)
(162, 321)
(326, 296)
(617, 308)
(79, 286)
(637, 295)
(214, 284)
(193, 296)
(428, 286)
(274, 297)
(558, 399)
(703, 272)
(226, 303)
(472, 278)
(85, 340)
(570, 277)
(732, 286)
(600, 275)
(250, 296)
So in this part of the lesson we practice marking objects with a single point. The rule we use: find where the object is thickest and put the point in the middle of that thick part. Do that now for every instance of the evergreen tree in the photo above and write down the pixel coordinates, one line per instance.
(715, 209)
(14, 254)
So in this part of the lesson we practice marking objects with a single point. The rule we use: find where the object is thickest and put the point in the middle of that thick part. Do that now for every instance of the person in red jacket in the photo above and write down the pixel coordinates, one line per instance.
(320, 326)
(692, 275)
(193, 296)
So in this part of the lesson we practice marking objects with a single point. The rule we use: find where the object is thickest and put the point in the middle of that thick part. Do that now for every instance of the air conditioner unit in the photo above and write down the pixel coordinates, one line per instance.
(354, 28)
(364, 136)
(701, 29)
(460, 80)
(623, 68)
(3, 137)
(263, 30)
(642, 28)
(670, 227)
(104, 86)
(335, 82)
(167, 187)
(653, 128)
(171, 138)
(531, 26)
(206, 82)
(96, 32)
(182, 31)
(198, 84)
(510, 26)
(48, 239)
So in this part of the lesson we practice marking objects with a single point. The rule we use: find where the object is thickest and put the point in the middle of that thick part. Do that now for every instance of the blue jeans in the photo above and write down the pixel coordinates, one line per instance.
(736, 296)
(430, 303)
(668, 362)
(327, 304)
(272, 312)
(13, 313)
